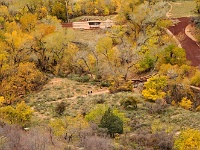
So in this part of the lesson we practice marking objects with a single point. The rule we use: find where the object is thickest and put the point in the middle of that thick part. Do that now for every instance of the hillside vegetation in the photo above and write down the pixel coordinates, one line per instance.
(126, 87)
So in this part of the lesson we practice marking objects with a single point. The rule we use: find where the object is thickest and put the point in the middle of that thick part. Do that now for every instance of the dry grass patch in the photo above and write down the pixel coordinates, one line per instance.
(88, 37)
(81, 18)
(183, 9)
(61, 90)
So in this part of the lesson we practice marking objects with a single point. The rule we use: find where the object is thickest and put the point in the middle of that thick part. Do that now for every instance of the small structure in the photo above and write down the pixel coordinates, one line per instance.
(80, 25)
(106, 24)
(67, 25)
(93, 24)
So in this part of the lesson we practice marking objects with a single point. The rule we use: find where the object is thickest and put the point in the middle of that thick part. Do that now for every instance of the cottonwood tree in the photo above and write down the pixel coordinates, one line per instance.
(172, 55)
(17, 45)
(4, 13)
(4, 62)
(21, 114)
(21, 80)
(154, 88)
(195, 80)
(59, 52)
(28, 22)
(143, 29)
(70, 127)
(38, 48)
(109, 57)
(128, 56)
(59, 10)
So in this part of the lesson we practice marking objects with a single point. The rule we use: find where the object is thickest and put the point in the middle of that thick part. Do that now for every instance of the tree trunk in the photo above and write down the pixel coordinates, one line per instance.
(67, 14)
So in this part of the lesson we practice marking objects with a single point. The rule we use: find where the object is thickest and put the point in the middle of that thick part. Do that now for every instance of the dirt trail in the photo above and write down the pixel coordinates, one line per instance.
(84, 95)
(169, 14)
(43, 116)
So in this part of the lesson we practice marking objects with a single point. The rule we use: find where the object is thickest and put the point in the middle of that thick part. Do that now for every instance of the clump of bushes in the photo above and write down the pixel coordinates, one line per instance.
(60, 108)
(129, 103)
(186, 103)
(100, 100)
(96, 142)
(188, 139)
(79, 78)
(124, 87)
(159, 140)
(105, 84)
(159, 106)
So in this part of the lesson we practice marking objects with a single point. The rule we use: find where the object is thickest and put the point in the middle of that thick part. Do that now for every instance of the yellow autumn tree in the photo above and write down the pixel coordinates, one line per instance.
(76, 124)
(28, 21)
(109, 57)
(11, 26)
(185, 103)
(154, 87)
(189, 139)
(22, 80)
(4, 66)
(18, 46)
(195, 80)
(4, 13)
(42, 54)
(42, 13)
(70, 126)
(24, 113)
(21, 114)
(58, 51)
(2, 101)
(58, 126)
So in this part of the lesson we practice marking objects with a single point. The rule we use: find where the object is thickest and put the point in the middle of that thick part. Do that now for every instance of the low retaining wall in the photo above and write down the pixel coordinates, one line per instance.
(175, 39)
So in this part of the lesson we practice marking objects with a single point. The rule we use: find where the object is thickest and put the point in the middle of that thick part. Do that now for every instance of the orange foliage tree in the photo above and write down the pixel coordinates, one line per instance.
(24, 79)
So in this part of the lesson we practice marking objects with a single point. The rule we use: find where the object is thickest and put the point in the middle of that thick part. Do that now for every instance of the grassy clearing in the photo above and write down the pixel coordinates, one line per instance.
(58, 90)
(81, 18)
(183, 9)
(89, 36)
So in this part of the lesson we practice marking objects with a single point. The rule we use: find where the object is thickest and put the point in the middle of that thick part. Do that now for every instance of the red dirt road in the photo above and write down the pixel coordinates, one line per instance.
(191, 47)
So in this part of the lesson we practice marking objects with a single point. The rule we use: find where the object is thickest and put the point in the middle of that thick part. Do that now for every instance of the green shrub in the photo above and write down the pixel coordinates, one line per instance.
(100, 100)
(78, 78)
(105, 84)
(60, 108)
(112, 122)
(146, 64)
(129, 103)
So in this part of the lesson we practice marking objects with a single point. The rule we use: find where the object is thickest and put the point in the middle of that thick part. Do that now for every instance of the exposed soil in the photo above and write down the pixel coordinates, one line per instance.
(85, 95)
(191, 47)
(190, 31)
